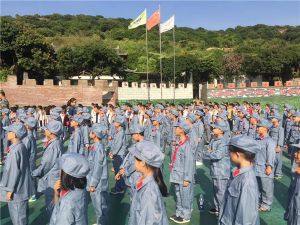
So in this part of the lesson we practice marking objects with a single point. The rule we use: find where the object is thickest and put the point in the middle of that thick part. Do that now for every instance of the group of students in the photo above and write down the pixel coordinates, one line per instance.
(66, 179)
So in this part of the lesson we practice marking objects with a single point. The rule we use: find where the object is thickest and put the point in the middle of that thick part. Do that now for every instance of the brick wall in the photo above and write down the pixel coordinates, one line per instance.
(49, 94)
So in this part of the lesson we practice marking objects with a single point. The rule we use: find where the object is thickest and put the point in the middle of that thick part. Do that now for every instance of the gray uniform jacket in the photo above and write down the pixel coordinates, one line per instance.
(243, 126)
(104, 121)
(76, 142)
(277, 134)
(126, 123)
(287, 128)
(118, 145)
(237, 121)
(294, 133)
(16, 174)
(182, 168)
(220, 160)
(71, 208)
(156, 137)
(265, 157)
(86, 134)
(240, 203)
(167, 123)
(148, 129)
(171, 136)
(207, 119)
(252, 132)
(30, 143)
(292, 214)
(284, 118)
(134, 120)
(98, 175)
(147, 205)
(48, 171)
(193, 139)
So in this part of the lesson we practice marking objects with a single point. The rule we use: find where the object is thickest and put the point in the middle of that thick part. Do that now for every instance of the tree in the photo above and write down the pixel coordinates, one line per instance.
(65, 63)
(232, 65)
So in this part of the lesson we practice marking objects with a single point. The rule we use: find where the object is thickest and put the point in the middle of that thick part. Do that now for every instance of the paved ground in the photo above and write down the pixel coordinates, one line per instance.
(120, 204)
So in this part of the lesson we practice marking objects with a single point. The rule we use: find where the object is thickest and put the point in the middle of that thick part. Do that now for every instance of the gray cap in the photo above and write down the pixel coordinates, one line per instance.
(117, 110)
(104, 109)
(85, 110)
(55, 116)
(190, 108)
(292, 111)
(254, 115)
(264, 123)
(6, 111)
(135, 108)
(256, 107)
(148, 152)
(157, 118)
(174, 112)
(21, 111)
(191, 117)
(183, 125)
(207, 107)
(222, 115)
(99, 130)
(296, 114)
(57, 109)
(200, 108)
(118, 113)
(152, 108)
(149, 113)
(240, 107)
(222, 107)
(199, 113)
(274, 107)
(160, 107)
(120, 120)
(244, 112)
(18, 128)
(136, 129)
(288, 107)
(22, 117)
(276, 115)
(74, 164)
(54, 127)
(86, 116)
(179, 108)
(31, 122)
(78, 119)
(219, 125)
(246, 143)
(79, 109)
(123, 108)
(31, 110)
(168, 108)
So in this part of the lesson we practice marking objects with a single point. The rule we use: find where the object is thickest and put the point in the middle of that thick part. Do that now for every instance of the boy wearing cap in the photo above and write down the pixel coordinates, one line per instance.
(220, 163)
(76, 141)
(207, 122)
(236, 119)
(254, 118)
(200, 131)
(47, 172)
(172, 138)
(127, 168)
(30, 143)
(85, 129)
(264, 165)
(104, 122)
(135, 117)
(182, 174)
(227, 133)
(156, 135)
(277, 133)
(70, 203)
(148, 124)
(294, 135)
(5, 122)
(180, 113)
(97, 179)
(243, 126)
(15, 183)
(291, 215)
(286, 109)
(288, 125)
(240, 201)
(117, 153)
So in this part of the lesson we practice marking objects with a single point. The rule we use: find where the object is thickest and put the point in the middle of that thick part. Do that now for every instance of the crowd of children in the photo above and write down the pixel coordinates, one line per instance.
(135, 138)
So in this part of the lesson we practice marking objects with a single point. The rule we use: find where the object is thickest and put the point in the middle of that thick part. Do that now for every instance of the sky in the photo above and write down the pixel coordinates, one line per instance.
(211, 15)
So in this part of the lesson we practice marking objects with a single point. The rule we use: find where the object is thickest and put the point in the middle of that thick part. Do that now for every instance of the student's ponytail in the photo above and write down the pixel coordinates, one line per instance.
(160, 181)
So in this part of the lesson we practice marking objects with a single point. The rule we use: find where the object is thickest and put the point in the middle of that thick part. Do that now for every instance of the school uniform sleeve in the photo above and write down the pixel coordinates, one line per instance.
(271, 152)
(200, 130)
(13, 170)
(98, 168)
(245, 126)
(247, 210)
(76, 142)
(219, 153)
(86, 135)
(117, 144)
(46, 165)
(188, 164)
(27, 143)
(280, 141)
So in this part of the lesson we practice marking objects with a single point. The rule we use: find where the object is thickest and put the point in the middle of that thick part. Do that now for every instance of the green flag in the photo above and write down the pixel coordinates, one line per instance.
(141, 20)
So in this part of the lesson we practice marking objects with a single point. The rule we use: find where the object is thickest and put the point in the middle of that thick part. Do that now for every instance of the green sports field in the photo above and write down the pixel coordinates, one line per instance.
(120, 204)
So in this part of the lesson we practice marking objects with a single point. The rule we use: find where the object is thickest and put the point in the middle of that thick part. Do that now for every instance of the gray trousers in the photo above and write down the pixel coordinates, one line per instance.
(265, 191)
(200, 150)
(208, 134)
(18, 212)
(184, 200)
(172, 151)
(219, 186)
(278, 164)
(100, 200)
(48, 200)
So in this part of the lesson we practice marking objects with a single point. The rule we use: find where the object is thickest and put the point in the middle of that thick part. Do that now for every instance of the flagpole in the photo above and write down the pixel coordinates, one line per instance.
(174, 57)
(148, 89)
(161, 97)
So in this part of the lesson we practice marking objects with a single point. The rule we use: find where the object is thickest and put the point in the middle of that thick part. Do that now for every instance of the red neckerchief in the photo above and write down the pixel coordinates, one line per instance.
(47, 143)
(237, 172)
(146, 121)
(155, 129)
(140, 183)
(7, 150)
(176, 148)
(74, 131)
(117, 131)
(12, 123)
(262, 137)
(92, 148)
(63, 193)
(298, 170)
(276, 126)
(253, 126)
